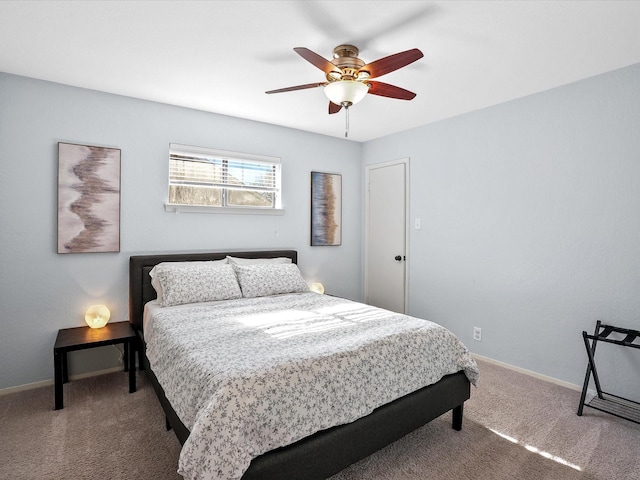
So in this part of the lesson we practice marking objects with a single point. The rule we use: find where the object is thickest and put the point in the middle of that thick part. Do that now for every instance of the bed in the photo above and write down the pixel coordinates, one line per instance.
(319, 454)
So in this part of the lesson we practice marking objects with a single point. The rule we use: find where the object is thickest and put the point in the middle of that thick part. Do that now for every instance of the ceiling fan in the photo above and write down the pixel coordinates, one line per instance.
(349, 79)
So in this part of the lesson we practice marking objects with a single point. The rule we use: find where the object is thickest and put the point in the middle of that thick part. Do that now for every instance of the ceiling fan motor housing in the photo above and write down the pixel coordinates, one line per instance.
(345, 57)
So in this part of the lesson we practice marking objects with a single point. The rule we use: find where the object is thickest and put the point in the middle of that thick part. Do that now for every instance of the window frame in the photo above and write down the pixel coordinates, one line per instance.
(226, 156)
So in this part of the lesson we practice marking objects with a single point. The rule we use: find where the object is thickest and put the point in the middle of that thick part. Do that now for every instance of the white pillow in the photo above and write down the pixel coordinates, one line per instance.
(270, 279)
(198, 282)
(155, 283)
(257, 261)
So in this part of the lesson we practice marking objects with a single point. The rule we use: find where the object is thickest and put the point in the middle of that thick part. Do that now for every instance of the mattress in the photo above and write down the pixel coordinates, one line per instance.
(250, 375)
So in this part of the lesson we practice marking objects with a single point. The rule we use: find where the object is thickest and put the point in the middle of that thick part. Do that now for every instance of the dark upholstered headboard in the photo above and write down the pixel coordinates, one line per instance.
(141, 291)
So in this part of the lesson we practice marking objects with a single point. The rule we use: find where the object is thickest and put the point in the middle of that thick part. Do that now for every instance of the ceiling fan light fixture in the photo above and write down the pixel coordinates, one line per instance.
(347, 92)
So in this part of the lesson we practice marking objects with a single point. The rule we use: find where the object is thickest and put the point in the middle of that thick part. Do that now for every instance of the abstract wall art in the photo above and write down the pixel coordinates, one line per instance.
(326, 209)
(88, 199)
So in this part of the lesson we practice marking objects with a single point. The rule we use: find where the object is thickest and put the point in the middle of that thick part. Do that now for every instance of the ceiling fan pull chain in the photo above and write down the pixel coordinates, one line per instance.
(346, 131)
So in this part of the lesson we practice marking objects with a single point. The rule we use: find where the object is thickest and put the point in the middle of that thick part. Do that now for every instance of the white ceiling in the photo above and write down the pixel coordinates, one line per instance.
(221, 56)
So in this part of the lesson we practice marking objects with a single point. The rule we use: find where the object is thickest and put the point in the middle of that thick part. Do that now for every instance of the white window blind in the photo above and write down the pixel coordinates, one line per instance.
(216, 178)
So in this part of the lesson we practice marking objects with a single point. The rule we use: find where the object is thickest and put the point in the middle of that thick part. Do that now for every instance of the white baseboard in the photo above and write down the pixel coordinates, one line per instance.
(539, 376)
(46, 383)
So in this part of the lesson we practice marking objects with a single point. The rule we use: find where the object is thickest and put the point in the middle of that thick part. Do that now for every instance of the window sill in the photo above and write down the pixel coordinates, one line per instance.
(224, 210)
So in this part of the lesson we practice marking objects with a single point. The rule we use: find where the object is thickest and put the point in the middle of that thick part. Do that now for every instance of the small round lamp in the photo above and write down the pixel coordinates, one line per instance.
(97, 316)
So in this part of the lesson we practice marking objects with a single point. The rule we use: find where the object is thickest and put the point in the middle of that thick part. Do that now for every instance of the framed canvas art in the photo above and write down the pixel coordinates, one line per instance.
(88, 199)
(326, 209)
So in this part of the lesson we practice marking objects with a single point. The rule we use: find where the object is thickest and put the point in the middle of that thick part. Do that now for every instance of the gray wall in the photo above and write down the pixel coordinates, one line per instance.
(42, 291)
(531, 225)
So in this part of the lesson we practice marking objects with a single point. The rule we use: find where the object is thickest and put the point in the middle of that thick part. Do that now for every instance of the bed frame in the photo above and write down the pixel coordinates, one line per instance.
(324, 453)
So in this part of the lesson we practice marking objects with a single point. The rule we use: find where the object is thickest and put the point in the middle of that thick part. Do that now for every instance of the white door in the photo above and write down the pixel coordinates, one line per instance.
(386, 235)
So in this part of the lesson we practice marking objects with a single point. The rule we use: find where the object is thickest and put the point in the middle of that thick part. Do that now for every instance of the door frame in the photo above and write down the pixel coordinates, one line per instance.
(368, 168)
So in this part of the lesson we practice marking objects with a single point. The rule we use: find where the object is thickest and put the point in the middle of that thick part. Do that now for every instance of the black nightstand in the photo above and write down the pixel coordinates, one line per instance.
(79, 338)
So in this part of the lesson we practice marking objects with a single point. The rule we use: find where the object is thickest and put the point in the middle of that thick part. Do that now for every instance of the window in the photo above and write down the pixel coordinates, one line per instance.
(204, 177)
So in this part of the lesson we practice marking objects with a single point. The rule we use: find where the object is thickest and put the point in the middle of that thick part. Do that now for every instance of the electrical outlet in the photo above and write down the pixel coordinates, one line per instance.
(477, 334)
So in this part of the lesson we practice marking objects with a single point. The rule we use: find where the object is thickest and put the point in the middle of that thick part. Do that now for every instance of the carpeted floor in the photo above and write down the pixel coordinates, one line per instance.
(103, 432)
(515, 427)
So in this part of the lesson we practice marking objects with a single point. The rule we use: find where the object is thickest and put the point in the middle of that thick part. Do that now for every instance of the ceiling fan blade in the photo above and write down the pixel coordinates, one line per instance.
(392, 62)
(333, 108)
(322, 63)
(298, 87)
(385, 90)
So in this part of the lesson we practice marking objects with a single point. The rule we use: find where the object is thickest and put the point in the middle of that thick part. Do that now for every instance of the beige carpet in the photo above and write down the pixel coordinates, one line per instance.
(515, 427)
(103, 432)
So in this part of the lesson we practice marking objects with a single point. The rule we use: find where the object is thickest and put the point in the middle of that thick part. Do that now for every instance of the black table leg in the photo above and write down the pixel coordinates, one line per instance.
(58, 378)
(132, 365)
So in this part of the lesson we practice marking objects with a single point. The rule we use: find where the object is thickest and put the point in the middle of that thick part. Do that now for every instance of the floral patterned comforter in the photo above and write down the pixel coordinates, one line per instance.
(250, 375)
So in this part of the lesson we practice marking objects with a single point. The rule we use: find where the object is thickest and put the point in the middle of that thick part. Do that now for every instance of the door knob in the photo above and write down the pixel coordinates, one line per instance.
(398, 258)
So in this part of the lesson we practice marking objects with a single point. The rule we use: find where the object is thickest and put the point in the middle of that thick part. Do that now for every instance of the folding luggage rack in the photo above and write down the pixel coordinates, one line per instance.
(603, 401)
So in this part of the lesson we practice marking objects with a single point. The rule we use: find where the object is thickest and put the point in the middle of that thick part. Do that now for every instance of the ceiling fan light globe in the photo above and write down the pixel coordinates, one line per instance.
(346, 91)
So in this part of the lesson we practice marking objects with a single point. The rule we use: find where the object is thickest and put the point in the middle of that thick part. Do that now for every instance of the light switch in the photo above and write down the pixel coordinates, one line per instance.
(417, 224)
